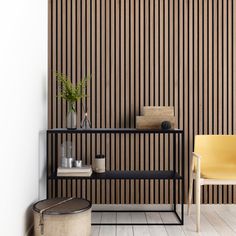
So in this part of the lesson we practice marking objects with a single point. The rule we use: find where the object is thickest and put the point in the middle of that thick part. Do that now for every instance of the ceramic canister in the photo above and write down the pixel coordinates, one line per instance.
(99, 163)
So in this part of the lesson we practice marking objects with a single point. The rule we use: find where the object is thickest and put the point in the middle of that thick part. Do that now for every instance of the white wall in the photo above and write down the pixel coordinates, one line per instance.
(23, 70)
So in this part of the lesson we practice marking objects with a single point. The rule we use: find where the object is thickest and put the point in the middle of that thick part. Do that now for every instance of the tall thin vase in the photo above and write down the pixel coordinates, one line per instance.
(71, 116)
(85, 123)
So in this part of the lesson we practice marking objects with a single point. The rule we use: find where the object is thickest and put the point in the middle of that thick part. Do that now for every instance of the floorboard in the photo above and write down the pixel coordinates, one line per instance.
(171, 230)
(153, 217)
(215, 220)
(124, 230)
(140, 217)
(218, 223)
(108, 230)
(229, 218)
(206, 228)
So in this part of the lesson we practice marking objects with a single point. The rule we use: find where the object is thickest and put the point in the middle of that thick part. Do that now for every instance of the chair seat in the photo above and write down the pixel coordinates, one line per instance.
(219, 172)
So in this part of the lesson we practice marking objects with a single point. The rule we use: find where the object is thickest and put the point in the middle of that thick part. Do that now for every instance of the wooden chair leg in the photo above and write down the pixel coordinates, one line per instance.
(198, 204)
(198, 201)
(190, 194)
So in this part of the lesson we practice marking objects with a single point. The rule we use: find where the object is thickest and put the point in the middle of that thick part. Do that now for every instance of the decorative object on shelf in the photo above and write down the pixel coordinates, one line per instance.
(66, 155)
(71, 116)
(63, 155)
(62, 216)
(153, 117)
(152, 122)
(70, 162)
(71, 93)
(100, 163)
(158, 111)
(64, 162)
(78, 163)
(166, 125)
(85, 123)
(83, 171)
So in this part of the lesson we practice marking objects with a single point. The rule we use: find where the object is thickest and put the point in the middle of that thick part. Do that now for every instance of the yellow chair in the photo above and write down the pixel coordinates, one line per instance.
(213, 163)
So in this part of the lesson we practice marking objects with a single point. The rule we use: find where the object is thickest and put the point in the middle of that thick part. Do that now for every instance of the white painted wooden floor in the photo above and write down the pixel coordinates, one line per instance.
(215, 220)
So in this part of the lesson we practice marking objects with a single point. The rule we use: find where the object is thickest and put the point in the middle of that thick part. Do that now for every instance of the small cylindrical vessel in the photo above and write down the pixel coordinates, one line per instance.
(78, 163)
(70, 161)
(100, 163)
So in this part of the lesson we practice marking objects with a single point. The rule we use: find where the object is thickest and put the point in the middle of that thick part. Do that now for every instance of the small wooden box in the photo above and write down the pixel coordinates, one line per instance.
(153, 122)
(158, 111)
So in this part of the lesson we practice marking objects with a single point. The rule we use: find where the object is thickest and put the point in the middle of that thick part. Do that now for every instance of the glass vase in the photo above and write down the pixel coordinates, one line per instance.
(85, 123)
(71, 116)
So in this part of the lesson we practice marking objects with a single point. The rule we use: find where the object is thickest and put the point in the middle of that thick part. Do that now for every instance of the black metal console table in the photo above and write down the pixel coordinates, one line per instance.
(174, 171)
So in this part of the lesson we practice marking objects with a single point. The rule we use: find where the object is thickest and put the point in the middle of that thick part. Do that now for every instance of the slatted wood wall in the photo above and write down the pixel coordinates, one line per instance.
(148, 52)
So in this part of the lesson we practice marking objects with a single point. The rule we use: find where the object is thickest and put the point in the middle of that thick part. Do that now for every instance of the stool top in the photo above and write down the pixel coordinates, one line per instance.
(73, 206)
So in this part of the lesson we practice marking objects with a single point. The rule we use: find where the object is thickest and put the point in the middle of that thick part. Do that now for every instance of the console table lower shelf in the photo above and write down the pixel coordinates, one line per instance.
(137, 175)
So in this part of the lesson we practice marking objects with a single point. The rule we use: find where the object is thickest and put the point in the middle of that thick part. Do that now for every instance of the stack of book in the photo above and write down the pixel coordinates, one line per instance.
(84, 171)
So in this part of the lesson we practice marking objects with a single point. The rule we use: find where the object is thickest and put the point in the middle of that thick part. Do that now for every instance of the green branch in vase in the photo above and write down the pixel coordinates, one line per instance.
(70, 92)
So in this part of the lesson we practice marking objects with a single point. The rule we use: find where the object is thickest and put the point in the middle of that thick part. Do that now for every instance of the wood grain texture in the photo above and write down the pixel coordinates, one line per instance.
(153, 122)
(158, 111)
(143, 53)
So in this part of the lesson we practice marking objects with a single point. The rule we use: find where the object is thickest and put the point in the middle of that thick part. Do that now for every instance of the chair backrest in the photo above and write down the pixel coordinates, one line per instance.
(216, 149)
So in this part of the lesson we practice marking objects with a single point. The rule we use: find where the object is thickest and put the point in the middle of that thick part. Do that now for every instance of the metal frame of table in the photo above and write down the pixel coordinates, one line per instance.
(124, 175)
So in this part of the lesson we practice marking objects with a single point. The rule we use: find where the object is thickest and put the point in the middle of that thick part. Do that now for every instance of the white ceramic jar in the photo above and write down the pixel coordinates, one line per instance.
(100, 163)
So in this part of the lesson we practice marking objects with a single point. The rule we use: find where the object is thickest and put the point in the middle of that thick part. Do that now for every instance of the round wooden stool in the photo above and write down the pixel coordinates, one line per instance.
(62, 216)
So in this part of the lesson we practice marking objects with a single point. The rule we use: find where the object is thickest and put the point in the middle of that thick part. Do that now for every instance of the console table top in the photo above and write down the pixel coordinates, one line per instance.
(113, 130)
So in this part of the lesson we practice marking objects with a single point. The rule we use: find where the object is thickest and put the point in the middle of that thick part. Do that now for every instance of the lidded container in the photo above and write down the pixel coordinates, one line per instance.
(100, 163)
(62, 216)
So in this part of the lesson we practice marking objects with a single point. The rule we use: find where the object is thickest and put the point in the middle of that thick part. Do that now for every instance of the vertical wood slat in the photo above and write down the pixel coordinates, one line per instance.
(154, 52)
